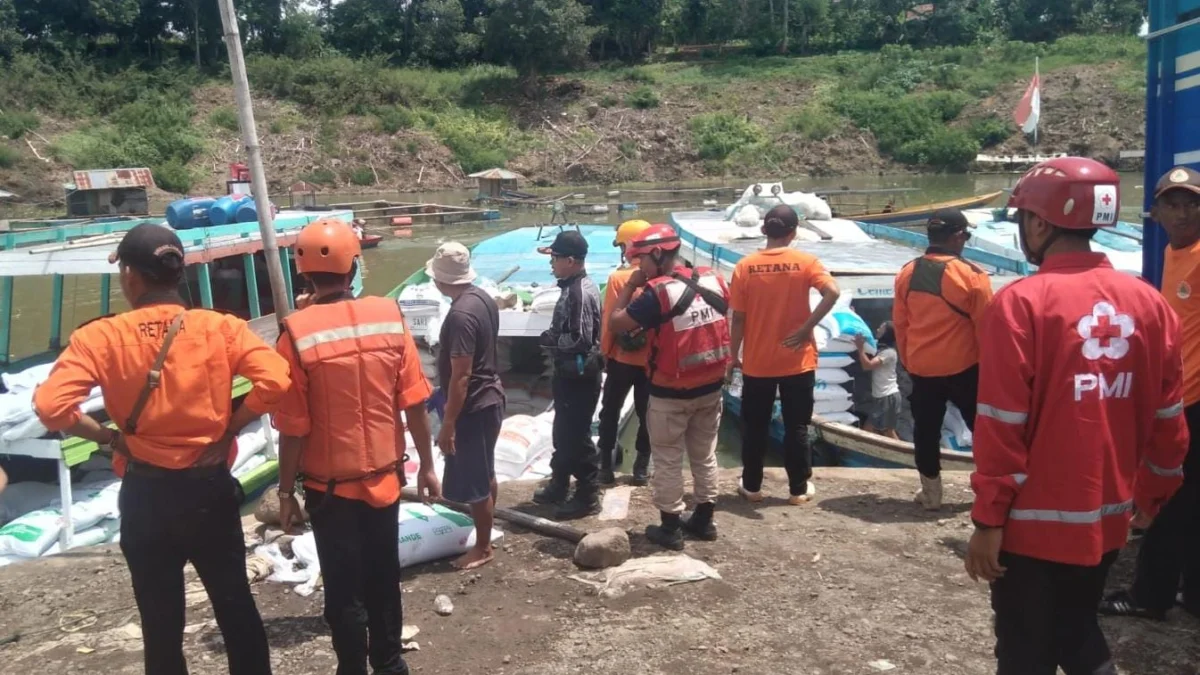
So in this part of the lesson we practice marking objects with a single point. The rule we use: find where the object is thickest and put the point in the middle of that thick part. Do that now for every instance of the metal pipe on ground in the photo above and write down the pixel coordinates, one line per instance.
(525, 520)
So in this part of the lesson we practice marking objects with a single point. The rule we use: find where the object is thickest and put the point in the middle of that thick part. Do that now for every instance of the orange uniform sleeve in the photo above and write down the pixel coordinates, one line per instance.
(254, 360)
(1006, 369)
(411, 387)
(900, 311)
(819, 277)
(56, 401)
(981, 297)
(291, 415)
(608, 340)
(737, 289)
(1161, 471)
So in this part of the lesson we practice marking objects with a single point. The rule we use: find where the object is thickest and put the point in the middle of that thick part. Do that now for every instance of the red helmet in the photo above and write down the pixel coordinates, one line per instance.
(656, 237)
(1073, 193)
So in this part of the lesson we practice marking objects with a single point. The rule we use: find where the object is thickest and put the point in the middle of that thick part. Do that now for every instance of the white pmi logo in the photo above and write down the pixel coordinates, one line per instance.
(1105, 333)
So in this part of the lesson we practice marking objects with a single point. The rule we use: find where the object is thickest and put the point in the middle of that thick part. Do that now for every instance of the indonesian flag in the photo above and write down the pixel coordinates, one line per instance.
(1029, 110)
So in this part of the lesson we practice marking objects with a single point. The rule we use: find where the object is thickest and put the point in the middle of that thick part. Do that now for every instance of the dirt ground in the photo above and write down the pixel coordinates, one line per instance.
(858, 578)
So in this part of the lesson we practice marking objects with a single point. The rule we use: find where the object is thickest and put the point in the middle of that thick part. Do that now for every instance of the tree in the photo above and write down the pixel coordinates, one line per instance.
(537, 36)
(438, 32)
(368, 27)
(629, 25)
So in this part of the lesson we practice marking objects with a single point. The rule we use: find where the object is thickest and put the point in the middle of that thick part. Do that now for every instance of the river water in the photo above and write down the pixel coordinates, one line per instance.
(395, 259)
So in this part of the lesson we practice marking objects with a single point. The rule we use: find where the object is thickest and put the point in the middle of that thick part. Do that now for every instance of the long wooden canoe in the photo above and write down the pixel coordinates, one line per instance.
(918, 215)
(882, 448)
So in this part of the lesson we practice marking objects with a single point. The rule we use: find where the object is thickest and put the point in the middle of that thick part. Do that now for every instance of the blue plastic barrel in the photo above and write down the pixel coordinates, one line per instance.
(184, 214)
(224, 210)
(247, 212)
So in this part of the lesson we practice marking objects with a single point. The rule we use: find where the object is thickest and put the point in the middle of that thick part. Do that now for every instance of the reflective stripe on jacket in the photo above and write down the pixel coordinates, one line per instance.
(352, 353)
(692, 349)
(1080, 413)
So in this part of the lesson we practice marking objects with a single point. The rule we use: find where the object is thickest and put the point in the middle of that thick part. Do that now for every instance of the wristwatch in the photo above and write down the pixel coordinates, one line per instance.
(287, 495)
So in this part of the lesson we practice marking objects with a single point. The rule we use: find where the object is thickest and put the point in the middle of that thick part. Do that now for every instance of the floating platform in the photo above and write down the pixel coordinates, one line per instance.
(382, 212)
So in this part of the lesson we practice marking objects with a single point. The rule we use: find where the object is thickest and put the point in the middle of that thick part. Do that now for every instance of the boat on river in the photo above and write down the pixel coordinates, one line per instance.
(896, 215)
(223, 267)
(995, 230)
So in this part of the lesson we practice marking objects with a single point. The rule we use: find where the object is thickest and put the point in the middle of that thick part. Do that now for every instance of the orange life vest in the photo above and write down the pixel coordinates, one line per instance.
(691, 347)
(352, 352)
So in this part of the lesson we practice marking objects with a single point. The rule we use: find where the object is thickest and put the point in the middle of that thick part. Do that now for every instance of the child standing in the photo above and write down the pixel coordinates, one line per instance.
(884, 388)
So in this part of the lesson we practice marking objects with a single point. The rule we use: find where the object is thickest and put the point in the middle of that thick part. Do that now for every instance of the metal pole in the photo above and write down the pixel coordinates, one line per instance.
(1037, 74)
(258, 178)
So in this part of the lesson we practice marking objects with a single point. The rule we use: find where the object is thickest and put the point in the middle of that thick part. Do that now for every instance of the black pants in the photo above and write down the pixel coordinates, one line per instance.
(1171, 548)
(621, 378)
(359, 550)
(168, 521)
(758, 407)
(1046, 617)
(575, 453)
(928, 400)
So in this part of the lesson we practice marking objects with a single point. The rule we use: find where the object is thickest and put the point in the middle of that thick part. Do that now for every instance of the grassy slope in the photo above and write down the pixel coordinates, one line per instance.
(361, 125)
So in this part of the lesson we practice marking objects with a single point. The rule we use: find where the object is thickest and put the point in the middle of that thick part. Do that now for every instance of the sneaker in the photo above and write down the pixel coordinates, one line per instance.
(809, 492)
(607, 477)
(553, 492)
(669, 534)
(753, 497)
(930, 495)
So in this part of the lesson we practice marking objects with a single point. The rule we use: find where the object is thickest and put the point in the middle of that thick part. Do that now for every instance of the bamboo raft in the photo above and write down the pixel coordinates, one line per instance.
(420, 213)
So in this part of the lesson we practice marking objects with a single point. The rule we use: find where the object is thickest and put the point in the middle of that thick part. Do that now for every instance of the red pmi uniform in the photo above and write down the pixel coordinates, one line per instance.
(1080, 409)
(692, 346)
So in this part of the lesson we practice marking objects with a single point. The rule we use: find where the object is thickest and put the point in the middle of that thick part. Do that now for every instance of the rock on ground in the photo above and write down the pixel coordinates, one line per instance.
(607, 548)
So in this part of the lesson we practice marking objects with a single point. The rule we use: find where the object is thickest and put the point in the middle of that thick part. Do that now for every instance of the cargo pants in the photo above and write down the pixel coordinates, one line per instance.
(679, 428)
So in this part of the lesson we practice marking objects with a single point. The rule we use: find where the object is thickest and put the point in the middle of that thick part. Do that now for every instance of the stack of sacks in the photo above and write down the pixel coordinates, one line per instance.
(95, 516)
(834, 393)
(748, 211)
(17, 419)
(253, 449)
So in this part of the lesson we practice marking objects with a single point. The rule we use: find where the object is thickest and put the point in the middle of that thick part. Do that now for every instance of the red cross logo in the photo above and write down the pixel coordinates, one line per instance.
(1107, 199)
(1104, 330)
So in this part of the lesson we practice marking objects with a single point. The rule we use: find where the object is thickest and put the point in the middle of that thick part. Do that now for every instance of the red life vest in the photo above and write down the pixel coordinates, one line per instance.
(691, 347)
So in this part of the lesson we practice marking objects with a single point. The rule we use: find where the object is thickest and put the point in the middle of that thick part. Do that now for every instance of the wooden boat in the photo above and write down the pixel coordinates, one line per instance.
(870, 449)
(370, 241)
(227, 252)
(918, 215)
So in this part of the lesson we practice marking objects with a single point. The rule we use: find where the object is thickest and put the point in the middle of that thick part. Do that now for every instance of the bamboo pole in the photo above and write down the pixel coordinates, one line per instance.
(529, 522)
(258, 177)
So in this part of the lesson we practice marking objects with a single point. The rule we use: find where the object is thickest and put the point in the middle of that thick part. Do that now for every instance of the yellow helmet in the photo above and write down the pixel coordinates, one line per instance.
(629, 230)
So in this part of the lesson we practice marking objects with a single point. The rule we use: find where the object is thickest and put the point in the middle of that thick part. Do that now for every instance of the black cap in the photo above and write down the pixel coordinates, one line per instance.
(1179, 178)
(948, 221)
(154, 250)
(781, 221)
(567, 243)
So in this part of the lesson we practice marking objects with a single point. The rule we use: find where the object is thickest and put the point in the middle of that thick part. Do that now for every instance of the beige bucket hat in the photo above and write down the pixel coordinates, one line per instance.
(451, 264)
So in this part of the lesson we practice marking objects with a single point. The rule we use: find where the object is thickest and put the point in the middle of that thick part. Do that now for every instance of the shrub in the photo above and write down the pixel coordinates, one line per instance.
(395, 118)
(477, 142)
(642, 98)
(173, 176)
(8, 157)
(224, 118)
(815, 123)
(15, 123)
(609, 101)
(320, 176)
(277, 127)
(639, 75)
(991, 131)
(945, 148)
(628, 149)
(362, 176)
(716, 135)
(911, 120)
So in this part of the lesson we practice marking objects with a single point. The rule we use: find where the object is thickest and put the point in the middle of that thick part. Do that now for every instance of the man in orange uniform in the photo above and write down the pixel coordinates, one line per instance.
(354, 368)
(770, 302)
(684, 310)
(167, 373)
(625, 368)
(1080, 419)
(1170, 551)
(939, 302)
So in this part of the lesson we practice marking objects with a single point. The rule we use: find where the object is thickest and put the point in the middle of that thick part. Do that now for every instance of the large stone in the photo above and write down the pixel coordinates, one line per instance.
(267, 510)
(606, 548)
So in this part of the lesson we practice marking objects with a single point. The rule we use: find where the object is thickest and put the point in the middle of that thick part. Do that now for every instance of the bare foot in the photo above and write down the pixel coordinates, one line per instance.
(473, 559)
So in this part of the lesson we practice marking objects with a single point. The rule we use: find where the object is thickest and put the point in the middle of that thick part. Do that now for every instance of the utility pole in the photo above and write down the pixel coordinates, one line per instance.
(258, 178)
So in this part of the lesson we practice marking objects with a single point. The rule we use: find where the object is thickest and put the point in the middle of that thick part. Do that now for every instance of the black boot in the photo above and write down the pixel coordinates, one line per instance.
(668, 535)
(585, 502)
(641, 469)
(700, 523)
(554, 491)
(607, 476)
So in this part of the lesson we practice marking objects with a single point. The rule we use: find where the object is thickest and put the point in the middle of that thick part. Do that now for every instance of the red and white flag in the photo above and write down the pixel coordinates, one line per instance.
(1029, 110)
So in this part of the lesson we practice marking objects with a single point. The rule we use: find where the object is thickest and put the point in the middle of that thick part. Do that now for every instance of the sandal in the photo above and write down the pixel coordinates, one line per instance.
(1122, 603)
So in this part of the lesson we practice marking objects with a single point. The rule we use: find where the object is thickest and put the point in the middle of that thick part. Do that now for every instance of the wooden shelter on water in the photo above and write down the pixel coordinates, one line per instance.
(496, 182)
(109, 192)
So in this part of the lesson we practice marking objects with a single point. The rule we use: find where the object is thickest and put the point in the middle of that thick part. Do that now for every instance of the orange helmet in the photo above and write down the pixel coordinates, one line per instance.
(327, 245)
